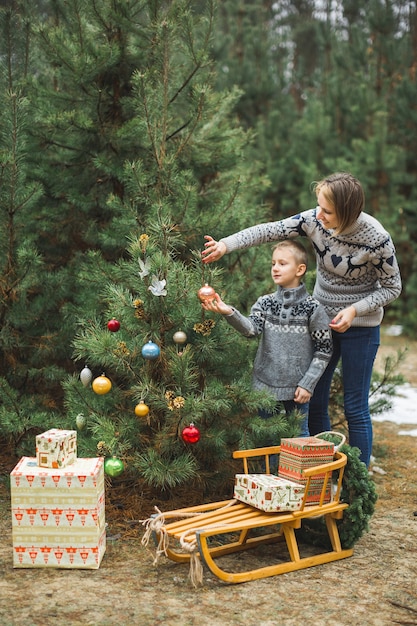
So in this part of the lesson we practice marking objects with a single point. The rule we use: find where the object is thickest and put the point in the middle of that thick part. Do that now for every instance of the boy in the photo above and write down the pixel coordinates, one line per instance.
(296, 341)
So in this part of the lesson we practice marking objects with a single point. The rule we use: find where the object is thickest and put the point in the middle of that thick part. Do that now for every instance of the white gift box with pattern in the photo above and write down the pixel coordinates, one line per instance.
(56, 448)
(268, 492)
(58, 515)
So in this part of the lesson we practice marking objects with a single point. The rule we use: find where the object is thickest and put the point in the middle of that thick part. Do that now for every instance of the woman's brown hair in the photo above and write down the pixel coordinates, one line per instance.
(345, 193)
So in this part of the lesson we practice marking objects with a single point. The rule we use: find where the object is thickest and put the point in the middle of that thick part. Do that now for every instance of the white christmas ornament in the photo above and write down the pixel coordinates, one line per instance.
(179, 337)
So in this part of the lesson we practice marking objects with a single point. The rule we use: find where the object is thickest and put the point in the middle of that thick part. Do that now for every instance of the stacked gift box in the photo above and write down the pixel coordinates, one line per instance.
(58, 506)
(300, 453)
(56, 448)
(268, 492)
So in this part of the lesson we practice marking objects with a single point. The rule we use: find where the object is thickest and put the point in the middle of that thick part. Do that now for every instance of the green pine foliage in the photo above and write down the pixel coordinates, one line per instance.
(28, 292)
(204, 381)
(173, 167)
(359, 492)
(129, 130)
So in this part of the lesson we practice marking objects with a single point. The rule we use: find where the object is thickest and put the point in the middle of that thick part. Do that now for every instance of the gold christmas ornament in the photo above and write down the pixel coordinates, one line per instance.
(141, 409)
(101, 385)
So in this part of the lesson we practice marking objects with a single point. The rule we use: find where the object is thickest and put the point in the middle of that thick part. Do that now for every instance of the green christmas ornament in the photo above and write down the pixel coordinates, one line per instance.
(80, 421)
(113, 466)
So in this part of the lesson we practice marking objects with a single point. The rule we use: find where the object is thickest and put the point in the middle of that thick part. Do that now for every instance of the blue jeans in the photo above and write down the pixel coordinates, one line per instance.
(357, 348)
(290, 406)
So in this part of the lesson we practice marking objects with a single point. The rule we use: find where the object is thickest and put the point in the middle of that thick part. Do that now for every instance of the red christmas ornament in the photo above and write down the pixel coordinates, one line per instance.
(113, 325)
(205, 293)
(190, 434)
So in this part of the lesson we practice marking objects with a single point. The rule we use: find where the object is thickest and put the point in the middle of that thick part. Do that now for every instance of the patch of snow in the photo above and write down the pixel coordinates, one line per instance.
(403, 410)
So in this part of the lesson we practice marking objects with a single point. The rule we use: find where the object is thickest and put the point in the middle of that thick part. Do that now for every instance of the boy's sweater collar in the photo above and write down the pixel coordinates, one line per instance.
(292, 296)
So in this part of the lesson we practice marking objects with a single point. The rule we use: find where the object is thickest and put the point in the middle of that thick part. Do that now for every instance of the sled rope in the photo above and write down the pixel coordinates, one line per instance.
(156, 525)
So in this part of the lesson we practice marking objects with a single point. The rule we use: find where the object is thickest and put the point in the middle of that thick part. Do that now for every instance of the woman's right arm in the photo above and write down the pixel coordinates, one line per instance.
(261, 233)
(213, 250)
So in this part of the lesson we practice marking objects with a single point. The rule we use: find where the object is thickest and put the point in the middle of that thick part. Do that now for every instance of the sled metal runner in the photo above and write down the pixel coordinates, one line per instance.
(223, 528)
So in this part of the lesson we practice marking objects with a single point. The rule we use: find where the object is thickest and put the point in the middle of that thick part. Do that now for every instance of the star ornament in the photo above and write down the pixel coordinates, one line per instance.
(158, 286)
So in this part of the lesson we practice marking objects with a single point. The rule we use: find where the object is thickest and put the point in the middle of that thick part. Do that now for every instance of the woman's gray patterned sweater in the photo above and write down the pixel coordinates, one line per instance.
(355, 268)
(295, 345)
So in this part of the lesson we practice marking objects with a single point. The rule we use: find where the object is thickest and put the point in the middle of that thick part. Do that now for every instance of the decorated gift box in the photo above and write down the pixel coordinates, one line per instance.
(300, 453)
(268, 492)
(56, 448)
(58, 515)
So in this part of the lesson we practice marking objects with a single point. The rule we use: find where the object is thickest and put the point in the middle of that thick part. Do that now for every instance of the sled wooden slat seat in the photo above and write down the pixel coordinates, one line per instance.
(223, 528)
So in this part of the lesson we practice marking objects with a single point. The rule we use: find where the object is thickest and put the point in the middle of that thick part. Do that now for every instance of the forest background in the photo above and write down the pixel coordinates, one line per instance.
(129, 130)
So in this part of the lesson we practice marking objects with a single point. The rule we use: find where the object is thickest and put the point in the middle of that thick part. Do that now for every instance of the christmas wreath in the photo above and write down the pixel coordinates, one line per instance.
(359, 491)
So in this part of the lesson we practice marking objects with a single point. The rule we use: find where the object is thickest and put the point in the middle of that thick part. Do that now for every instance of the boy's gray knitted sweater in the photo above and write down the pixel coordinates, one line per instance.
(355, 268)
(295, 345)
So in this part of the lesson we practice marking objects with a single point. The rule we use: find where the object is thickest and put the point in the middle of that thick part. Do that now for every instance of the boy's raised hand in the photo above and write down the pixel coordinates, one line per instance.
(216, 305)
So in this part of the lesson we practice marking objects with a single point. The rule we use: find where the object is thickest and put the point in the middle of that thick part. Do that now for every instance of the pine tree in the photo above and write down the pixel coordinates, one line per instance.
(121, 153)
(147, 158)
(28, 292)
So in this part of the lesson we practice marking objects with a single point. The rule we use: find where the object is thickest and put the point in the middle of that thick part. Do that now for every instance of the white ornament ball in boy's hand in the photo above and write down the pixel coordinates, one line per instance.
(206, 293)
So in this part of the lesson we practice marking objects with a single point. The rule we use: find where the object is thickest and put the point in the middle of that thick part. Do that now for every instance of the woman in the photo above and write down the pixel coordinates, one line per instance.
(357, 275)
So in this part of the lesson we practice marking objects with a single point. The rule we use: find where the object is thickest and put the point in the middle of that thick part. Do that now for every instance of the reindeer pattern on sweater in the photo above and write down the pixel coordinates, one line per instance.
(355, 268)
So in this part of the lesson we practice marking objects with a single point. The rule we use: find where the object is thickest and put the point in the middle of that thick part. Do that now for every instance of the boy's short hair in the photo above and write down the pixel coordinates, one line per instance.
(296, 248)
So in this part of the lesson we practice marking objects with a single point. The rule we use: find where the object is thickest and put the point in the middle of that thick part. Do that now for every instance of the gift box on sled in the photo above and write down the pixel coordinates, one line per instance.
(300, 453)
(268, 492)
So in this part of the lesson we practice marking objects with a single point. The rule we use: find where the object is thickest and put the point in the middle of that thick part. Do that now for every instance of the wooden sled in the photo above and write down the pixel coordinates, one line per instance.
(211, 531)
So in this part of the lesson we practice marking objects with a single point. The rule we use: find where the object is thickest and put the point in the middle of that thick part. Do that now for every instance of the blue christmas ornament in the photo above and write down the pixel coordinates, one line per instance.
(151, 351)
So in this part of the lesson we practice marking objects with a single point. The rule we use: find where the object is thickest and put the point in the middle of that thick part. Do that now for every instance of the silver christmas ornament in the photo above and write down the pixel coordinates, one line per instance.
(179, 337)
(85, 376)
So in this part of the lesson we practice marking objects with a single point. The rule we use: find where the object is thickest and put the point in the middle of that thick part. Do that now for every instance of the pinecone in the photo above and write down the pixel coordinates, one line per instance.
(103, 449)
